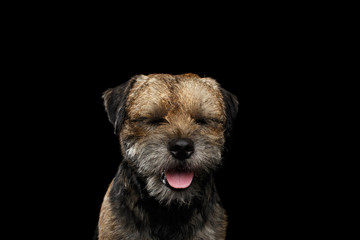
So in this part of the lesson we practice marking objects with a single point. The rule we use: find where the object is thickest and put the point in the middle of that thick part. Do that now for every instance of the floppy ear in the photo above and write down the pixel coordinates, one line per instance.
(115, 102)
(231, 109)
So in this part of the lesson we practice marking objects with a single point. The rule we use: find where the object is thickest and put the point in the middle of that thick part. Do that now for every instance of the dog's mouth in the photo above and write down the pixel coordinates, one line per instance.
(177, 179)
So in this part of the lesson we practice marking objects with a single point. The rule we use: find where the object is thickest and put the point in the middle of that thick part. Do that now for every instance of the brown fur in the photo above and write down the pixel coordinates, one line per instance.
(157, 109)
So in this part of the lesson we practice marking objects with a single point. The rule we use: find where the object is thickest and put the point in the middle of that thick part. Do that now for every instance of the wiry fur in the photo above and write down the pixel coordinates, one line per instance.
(147, 113)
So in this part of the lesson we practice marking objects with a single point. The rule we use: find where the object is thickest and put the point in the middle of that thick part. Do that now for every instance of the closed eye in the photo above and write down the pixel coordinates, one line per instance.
(201, 121)
(157, 121)
(207, 121)
(150, 121)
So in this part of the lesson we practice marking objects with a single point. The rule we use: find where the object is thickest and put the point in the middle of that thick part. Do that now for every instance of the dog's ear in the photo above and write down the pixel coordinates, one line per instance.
(231, 109)
(115, 102)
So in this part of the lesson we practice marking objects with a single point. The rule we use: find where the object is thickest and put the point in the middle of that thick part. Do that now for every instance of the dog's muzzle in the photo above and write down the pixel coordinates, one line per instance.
(181, 149)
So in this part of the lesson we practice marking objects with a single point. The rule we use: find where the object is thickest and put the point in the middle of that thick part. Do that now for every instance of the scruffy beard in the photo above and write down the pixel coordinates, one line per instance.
(152, 160)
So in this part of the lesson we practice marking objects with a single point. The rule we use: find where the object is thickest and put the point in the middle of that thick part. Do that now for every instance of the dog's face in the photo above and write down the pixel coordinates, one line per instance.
(171, 130)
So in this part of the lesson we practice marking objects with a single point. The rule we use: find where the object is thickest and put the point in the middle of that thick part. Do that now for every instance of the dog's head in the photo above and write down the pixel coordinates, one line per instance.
(172, 130)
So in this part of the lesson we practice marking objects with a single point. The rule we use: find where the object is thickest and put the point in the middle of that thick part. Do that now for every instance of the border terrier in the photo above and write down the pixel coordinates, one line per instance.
(172, 130)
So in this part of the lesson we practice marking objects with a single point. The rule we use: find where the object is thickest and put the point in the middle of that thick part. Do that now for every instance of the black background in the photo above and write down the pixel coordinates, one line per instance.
(258, 183)
(68, 62)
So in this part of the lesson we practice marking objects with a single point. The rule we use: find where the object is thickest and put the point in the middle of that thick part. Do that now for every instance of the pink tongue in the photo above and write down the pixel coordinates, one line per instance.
(179, 179)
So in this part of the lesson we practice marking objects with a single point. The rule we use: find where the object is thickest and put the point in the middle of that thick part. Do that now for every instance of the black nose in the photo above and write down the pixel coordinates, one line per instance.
(181, 148)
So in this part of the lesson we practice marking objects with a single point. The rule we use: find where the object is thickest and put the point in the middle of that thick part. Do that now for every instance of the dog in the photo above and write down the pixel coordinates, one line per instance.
(172, 130)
